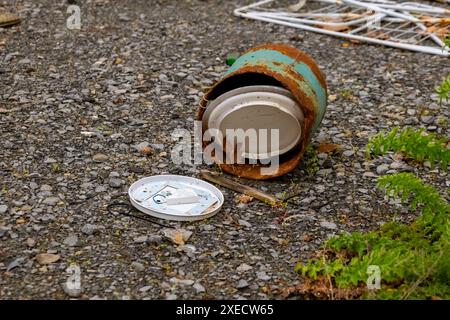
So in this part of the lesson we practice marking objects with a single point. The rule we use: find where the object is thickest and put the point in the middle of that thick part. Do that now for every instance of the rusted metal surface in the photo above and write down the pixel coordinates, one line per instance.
(297, 55)
(290, 68)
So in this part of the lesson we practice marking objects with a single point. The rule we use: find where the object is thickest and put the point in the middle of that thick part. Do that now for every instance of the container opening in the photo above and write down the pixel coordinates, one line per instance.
(243, 80)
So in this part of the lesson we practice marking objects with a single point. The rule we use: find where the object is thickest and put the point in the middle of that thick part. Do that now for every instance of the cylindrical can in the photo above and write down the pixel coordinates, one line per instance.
(267, 68)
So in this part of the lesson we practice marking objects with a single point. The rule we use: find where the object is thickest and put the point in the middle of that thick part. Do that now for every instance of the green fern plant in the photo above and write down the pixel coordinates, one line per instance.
(404, 186)
(416, 144)
(413, 259)
(443, 90)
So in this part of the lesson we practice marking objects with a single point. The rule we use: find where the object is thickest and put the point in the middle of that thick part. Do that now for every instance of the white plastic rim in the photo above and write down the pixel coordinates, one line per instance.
(150, 182)
(258, 107)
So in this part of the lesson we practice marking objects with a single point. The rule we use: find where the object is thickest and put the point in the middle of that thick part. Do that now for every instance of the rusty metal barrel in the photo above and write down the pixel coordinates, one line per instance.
(276, 80)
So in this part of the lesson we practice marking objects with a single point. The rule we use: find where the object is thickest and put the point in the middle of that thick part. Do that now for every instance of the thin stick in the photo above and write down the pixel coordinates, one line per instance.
(238, 187)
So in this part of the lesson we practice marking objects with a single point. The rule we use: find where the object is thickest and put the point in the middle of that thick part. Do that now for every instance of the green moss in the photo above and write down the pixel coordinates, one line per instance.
(310, 160)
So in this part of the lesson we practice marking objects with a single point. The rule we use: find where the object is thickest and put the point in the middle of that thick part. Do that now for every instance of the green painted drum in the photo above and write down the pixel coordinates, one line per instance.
(274, 65)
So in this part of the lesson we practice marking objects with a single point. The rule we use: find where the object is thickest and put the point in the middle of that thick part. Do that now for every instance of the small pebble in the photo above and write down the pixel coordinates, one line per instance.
(242, 284)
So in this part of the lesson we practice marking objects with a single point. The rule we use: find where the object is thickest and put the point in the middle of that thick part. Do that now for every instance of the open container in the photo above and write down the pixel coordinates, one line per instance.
(273, 86)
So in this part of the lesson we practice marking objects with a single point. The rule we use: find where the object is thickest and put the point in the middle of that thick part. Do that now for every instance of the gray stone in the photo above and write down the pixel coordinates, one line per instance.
(198, 287)
(114, 174)
(328, 225)
(71, 240)
(3, 208)
(71, 291)
(100, 157)
(24, 61)
(3, 231)
(382, 169)
(137, 266)
(244, 268)
(396, 165)
(184, 282)
(46, 187)
(411, 120)
(15, 263)
(115, 183)
(189, 249)
(171, 234)
(324, 172)
(51, 201)
(171, 296)
(50, 160)
(348, 153)
(263, 276)
(242, 284)
(145, 289)
(154, 238)
(141, 146)
(89, 229)
(208, 227)
(244, 223)
(369, 174)
(100, 189)
(427, 119)
(141, 239)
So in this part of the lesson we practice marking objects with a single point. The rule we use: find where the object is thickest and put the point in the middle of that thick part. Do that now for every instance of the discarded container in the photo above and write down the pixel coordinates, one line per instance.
(176, 198)
(270, 86)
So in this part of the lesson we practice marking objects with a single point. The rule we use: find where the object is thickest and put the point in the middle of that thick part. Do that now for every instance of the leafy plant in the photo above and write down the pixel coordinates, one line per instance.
(56, 168)
(413, 260)
(416, 144)
(436, 210)
(346, 94)
(443, 90)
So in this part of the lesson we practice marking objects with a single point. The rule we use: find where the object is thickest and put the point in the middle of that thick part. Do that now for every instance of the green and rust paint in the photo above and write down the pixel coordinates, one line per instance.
(290, 68)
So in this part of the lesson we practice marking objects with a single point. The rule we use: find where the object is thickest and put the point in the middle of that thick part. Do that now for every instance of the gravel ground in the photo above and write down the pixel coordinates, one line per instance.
(77, 106)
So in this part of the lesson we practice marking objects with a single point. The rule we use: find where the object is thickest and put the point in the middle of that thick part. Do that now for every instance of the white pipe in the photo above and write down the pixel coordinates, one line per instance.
(256, 4)
(314, 22)
(380, 9)
(432, 35)
(365, 26)
(418, 8)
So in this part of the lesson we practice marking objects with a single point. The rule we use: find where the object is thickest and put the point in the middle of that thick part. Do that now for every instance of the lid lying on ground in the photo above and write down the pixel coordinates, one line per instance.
(257, 107)
(176, 198)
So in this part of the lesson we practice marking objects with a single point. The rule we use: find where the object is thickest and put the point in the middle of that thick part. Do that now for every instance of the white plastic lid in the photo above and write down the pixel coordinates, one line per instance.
(257, 107)
(150, 195)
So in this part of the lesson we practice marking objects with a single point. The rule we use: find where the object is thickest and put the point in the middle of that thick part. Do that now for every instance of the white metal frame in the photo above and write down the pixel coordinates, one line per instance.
(397, 21)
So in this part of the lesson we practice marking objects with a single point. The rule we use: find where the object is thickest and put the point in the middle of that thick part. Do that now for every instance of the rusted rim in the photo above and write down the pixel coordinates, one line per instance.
(291, 161)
